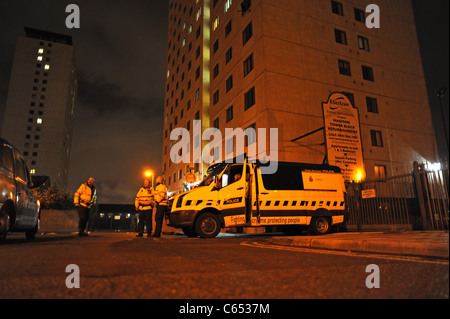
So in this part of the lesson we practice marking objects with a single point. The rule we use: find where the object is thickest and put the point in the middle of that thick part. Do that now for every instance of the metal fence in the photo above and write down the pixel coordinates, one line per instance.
(432, 194)
(418, 200)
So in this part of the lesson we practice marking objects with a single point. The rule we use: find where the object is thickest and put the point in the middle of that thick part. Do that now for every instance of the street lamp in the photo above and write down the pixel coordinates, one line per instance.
(440, 94)
(148, 174)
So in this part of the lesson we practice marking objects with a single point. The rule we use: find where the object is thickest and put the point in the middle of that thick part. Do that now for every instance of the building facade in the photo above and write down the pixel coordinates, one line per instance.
(271, 64)
(40, 106)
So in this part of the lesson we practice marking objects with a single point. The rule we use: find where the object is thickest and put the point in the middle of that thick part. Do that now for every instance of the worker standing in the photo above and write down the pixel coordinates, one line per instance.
(161, 198)
(144, 203)
(85, 197)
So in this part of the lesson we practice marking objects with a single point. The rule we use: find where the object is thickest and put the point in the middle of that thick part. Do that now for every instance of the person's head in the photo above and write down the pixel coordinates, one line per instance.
(146, 182)
(237, 177)
(90, 181)
(159, 180)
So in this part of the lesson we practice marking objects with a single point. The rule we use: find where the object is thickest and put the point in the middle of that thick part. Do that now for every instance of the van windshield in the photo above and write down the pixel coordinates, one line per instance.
(213, 171)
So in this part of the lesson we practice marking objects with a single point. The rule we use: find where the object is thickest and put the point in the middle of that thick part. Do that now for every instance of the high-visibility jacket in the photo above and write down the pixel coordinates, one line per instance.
(144, 199)
(160, 193)
(85, 196)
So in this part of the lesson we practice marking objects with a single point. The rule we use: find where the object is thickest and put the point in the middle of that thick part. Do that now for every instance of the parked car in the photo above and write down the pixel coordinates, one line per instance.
(19, 207)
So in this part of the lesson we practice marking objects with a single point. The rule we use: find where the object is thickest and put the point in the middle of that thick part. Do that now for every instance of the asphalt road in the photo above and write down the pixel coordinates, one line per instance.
(119, 265)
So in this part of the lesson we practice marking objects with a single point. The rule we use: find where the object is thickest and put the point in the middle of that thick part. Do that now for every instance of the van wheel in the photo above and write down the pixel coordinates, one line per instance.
(189, 231)
(207, 225)
(4, 225)
(31, 234)
(320, 225)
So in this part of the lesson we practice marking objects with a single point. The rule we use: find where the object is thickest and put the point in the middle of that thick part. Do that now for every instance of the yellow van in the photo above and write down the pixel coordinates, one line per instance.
(296, 196)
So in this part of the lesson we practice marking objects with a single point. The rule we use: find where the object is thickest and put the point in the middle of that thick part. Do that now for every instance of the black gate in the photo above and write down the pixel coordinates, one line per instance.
(418, 200)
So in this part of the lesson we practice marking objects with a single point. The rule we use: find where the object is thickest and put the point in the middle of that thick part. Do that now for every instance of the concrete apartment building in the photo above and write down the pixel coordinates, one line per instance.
(40, 106)
(271, 64)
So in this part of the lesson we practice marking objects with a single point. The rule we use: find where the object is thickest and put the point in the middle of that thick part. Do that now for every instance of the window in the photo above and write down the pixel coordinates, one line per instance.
(251, 138)
(287, 177)
(197, 95)
(248, 65)
(229, 113)
(227, 5)
(367, 73)
(344, 67)
(372, 104)
(376, 138)
(216, 46)
(6, 158)
(245, 6)
(216, 23)
(350, 96)
(340, 36)
(229, 83)
(229, 146)
(216, 71)
(380, 171)
(216, 123)
(197, 73)
(228, 55)
(363, 43)
(360, 15)
(21, 170)
(228, 29)
(216, 97)
(336, 7)
(249, 98)
(247, 33)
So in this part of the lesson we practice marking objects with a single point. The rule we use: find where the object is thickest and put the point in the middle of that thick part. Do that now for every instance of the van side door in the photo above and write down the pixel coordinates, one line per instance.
(232, 194)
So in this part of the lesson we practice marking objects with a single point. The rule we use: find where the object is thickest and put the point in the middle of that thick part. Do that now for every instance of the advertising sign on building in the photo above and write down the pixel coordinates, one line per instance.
(342, 136)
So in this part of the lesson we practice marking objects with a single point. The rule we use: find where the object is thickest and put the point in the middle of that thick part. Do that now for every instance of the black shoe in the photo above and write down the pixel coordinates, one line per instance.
(83, 234)
(156, 235)
(139, 235)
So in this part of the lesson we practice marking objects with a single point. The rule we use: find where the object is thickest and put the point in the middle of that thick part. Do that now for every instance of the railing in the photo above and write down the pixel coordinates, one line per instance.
(418, 200)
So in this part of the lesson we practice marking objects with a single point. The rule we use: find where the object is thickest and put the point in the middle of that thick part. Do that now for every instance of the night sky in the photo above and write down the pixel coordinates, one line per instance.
(121, 59)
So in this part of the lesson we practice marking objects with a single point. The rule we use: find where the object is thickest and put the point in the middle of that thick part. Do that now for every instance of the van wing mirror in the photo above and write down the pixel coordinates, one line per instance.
(216, 183)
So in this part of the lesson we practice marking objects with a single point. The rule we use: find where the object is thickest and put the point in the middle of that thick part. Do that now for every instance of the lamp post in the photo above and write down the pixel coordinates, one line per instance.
(440, 95)
(148, 174)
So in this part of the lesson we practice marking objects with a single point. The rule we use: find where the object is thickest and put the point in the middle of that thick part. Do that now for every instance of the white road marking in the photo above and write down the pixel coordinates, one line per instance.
(348, 253)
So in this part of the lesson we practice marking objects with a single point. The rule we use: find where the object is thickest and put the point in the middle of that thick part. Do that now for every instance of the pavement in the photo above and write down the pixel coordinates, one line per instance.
(410, 243)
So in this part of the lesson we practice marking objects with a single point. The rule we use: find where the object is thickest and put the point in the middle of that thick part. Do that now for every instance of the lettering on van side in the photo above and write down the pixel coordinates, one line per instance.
(233, 200)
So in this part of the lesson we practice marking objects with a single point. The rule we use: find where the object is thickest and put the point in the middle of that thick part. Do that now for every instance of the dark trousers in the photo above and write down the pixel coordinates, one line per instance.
(159, 217)
(83, 214)
(145, 219)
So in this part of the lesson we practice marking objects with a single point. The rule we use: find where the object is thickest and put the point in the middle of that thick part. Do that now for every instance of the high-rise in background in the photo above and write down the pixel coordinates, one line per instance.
(271, 64)
(40, 106)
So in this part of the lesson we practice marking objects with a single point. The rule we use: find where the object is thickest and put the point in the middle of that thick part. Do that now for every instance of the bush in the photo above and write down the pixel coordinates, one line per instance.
(55, 198)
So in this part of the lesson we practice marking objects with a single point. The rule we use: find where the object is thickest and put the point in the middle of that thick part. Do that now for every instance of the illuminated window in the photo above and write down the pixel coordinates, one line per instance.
(216, 23)
(199, 13)
(227, 5)
(39, 58)
(41, 50)
(380, 171)
(47, 67)
(39, 120)
(33, 171)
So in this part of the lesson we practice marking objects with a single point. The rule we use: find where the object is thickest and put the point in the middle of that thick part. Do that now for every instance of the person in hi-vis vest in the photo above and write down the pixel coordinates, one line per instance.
(161, 199)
